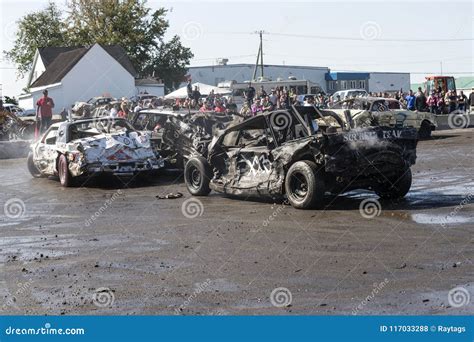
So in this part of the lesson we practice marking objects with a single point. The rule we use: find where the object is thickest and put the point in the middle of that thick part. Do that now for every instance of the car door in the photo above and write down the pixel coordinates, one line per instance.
(45, 152)
(246, 159)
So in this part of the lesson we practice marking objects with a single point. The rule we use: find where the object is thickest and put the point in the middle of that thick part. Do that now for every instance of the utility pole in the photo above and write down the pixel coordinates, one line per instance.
(441, 67)
(259, 56)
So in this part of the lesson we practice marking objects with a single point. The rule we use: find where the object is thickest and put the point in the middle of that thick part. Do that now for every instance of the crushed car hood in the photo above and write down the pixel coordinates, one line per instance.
(115, 147)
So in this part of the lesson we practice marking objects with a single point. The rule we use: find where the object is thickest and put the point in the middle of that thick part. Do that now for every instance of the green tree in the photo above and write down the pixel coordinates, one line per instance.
(170, 63)
(35, 30)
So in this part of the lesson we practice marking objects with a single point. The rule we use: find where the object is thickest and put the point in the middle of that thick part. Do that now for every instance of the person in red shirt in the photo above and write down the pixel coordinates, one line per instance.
(44, 111)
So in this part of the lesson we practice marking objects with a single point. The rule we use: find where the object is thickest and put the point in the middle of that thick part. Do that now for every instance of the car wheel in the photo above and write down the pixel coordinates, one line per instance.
(304, 186)
(197, 176)
(63, 172)
(398, 187)
(32, 167)
(425, 130)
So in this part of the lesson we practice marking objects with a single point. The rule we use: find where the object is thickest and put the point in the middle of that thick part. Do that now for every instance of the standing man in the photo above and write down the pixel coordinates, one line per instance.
(250, 94)
(420, 101)
(44, 111)
(462, 101)
(189, 89)
(410, 99)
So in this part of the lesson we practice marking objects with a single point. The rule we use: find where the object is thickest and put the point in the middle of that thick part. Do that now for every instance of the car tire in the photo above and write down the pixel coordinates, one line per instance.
(197, 176)
(63, 172)
(396, 188)
(32, 167)
(425, 130)
(304, 186)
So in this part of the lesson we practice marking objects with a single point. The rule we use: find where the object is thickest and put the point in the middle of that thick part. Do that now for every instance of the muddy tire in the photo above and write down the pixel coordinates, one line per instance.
(32, 167)
(197, 176)
(397, 187)
(304, 186)
(63, 172)
(425, 130)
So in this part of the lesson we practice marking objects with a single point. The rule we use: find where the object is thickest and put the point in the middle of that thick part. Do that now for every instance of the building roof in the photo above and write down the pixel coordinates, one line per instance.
(335, 76)
(49, 54)
(64, 59)
(240, 65)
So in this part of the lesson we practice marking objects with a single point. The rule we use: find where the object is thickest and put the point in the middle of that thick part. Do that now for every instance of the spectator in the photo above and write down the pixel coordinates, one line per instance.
(189, 89)
(462, 101)
(256, 107)
(452, 100)
(137, 108)
(63, 114)
(196, 94)
(273, 97)
(440, 103)
(267, 105)
(309, 101)
(410, 99)
(44, 111)
(420, 101)
(471, 100)
(114, 111)
(231, 106)
(250, 94)
(219, 107)
(262, 93)
(433, 103)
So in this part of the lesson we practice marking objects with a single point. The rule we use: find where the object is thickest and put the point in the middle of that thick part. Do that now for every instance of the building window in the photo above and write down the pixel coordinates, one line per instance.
(331, 85)
(343, 85)
(362, 84)
(353, 84)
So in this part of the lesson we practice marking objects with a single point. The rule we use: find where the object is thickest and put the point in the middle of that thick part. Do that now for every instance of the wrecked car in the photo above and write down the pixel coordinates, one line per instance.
(12, 127)
(371, 111)
(298, 154)
(90, 147)
(195, 128)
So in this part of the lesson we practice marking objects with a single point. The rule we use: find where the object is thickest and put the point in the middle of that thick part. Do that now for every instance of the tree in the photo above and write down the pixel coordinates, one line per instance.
(35, 30)
(170, 63)
(11, 100)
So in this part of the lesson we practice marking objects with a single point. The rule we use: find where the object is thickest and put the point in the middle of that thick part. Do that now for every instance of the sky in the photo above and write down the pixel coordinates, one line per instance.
(420, 37)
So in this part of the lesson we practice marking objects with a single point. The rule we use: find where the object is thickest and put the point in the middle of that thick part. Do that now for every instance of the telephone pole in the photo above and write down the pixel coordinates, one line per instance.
(259, 56)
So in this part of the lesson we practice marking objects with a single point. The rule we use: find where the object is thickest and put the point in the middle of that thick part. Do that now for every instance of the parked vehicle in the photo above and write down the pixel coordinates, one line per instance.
(293, 153)
(90, 147)
(367, 111)
(349, 93)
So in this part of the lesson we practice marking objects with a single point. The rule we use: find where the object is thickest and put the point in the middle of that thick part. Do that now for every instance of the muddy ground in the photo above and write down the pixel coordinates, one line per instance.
(114, 248)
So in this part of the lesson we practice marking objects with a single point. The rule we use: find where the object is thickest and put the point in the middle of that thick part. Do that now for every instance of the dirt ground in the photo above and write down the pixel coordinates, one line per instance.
(112, 247)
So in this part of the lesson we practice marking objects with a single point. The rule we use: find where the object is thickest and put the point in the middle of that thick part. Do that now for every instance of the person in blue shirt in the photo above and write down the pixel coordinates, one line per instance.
(410, 99)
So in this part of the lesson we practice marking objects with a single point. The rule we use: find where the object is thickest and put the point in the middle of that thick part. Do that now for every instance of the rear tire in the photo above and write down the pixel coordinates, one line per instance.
(65, 177)
(425, 130)
(304, 186)
(32, 167)
(197, 176)
(396, 188)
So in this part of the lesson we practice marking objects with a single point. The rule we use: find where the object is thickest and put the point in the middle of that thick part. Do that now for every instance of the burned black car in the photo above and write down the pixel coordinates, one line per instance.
(297, 153)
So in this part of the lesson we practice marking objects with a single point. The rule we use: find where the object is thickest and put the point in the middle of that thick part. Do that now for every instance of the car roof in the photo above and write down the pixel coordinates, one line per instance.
(162, 112)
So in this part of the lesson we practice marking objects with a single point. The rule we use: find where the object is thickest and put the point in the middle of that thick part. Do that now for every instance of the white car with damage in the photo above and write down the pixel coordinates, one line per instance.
(92, 146)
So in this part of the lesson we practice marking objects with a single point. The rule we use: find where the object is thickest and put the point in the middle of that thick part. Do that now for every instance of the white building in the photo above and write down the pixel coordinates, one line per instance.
(78, 74)
(389, 81)
(240, 73)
